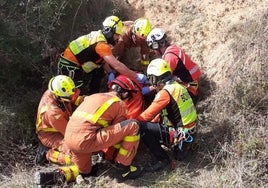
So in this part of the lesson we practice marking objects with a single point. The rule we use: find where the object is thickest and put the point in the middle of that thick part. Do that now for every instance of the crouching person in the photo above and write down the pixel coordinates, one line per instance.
(177, 117)
(54, 110)
(98, 122)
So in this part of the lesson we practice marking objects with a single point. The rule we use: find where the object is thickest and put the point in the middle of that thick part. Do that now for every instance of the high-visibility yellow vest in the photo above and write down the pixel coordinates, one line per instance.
(83, 42)
(185, 104)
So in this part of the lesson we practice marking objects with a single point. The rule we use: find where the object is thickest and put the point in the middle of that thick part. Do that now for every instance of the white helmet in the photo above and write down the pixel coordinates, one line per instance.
(158, 71)
(156, 38)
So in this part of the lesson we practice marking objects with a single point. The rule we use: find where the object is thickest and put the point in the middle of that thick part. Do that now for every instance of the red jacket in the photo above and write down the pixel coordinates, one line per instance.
(181, 64)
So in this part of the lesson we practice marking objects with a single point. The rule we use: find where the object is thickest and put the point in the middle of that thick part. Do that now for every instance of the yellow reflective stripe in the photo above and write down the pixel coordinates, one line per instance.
(85, 41)
(83, 115)
(79, 44)
(194, 69)
(75, 171)
(95, 118)
(132, 138)
(50, 129)
(54, 157)
(103, 122)
(188, 111)
(77, 101)
(67, 172)
(103, 108)
(39, 120)
(89, 117)
(123, 151)
(67, 160)
(117, 146)
(71, 172)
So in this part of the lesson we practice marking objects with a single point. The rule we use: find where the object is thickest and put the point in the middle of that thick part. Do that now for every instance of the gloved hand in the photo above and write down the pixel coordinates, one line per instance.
(145, 90)
(111, 76)
(142, 79)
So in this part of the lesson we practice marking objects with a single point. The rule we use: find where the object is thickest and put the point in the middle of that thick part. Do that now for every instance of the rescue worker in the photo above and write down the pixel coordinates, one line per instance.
(134, 37)
(54, 110)
(135, 101)
(171, 118)
(182, 66)
(134, 105)
(94, 126)
(85, 57)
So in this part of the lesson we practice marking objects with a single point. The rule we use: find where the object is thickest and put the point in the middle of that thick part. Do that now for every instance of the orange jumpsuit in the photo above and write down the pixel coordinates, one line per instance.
(135, 108)
(51, 122)
(98, 123)
(186, 70)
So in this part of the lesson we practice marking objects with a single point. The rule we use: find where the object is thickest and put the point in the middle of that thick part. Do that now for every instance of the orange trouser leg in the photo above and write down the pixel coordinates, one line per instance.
(128, 150)
(109, 153)
(58, 157)
(103, 138)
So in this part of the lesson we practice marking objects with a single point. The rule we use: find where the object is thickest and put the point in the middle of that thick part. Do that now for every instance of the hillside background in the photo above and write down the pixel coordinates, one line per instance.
(227, 38)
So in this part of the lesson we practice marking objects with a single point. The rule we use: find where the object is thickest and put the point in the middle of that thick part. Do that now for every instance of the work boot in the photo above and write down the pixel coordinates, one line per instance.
(128, 172)
(48, 178)
(41, 151)
(157, 165)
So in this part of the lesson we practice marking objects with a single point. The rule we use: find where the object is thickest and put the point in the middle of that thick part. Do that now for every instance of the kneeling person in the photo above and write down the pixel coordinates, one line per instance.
(177, 117)
(100, 122)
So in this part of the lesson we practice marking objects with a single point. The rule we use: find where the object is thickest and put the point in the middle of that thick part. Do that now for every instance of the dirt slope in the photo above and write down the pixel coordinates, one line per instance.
(203, 28)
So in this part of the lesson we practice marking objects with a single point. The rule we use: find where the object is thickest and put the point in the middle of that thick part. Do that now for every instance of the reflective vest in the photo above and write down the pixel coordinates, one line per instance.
(185, 106)
(84, 47)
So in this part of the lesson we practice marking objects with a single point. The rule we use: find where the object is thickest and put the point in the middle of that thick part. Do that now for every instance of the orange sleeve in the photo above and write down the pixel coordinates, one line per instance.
(121, 112)
(134, 105)
(160, 101)
(57, 119)
(103, 49)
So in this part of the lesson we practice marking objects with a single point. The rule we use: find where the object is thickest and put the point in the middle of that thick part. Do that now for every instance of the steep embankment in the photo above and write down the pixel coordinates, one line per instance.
(229, 40)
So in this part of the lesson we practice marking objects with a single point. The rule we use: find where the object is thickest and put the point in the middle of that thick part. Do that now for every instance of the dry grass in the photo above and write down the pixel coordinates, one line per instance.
(229, 40)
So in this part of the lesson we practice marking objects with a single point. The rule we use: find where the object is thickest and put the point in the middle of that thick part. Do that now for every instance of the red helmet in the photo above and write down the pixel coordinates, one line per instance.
(125, 83)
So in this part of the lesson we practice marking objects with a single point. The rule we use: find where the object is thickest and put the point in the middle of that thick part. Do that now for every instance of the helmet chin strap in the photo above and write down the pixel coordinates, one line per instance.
(111, 40)
(133, 37)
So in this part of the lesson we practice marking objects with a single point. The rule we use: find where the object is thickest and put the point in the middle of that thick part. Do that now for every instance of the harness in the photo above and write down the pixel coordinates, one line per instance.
(70, 66)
